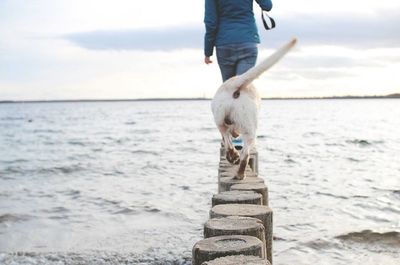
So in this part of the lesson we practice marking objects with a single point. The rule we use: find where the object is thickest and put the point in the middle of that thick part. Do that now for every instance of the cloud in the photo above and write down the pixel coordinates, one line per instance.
(351, 30)
(164, 39)
(356, 31)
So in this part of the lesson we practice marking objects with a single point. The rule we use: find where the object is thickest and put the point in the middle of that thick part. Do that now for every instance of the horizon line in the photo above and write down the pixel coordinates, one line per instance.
(389, 96)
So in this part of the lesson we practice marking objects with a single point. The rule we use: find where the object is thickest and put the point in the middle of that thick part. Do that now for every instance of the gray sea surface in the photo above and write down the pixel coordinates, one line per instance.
(131, 182)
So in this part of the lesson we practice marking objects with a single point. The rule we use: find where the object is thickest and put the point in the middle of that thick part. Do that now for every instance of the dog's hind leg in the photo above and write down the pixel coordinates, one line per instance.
(235, 134)
(248, 142)
(232, 155)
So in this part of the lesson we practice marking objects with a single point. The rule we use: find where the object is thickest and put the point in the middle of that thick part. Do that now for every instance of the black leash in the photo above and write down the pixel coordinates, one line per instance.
(271, 20)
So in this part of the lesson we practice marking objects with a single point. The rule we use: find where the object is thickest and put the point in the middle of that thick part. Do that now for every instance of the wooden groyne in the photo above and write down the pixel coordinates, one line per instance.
(239, 230)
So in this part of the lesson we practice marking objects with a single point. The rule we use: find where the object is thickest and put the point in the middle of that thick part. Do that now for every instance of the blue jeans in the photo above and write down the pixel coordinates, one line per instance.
(236, 59)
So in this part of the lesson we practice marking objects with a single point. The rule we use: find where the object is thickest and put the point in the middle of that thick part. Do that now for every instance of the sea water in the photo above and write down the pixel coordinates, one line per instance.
(131, 182)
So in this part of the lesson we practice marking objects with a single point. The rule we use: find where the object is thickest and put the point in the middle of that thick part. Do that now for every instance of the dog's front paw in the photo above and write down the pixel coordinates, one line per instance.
(240, 176)
(233, 156)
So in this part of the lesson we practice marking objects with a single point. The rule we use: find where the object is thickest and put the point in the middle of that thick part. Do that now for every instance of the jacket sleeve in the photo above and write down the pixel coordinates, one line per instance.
(211, 23)
(265, 4)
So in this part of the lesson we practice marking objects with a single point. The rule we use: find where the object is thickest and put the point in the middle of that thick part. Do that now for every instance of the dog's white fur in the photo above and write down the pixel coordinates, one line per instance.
(240, 115)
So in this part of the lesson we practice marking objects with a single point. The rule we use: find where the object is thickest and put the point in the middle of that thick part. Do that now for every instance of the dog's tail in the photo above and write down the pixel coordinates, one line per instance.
(245, 79)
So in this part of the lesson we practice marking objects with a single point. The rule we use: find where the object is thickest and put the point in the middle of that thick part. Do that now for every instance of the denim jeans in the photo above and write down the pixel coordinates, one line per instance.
(236, 59)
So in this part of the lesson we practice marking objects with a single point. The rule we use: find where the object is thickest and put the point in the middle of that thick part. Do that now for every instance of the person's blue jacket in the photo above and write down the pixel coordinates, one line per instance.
(230, 21)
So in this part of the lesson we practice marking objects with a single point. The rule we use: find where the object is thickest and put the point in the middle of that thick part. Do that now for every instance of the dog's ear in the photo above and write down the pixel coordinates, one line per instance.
(243, 80)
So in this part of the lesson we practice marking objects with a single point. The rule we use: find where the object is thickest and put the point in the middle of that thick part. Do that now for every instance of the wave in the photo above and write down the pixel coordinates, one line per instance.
(390, 238)
(360, 196)
(47, 131)
(144, 152)
(12, 118)
(289, 160)
(319, 244)
(143, 131)
(58, 209)
(331, 195)
(334, 144)
(358, 142)
(374, 241)
(396, 192)
(277, 238)
(10, 171)
(126, 211)
(351, 159)
(363, 142)
(137, 210)
(74, 194)
(77, 143)
(312, 134)
(208, 129)
(62, 169)
(13, 218)
(89, 257)
(15, 161)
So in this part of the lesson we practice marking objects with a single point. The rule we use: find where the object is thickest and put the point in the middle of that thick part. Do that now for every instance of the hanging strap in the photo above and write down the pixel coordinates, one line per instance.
(266, 26)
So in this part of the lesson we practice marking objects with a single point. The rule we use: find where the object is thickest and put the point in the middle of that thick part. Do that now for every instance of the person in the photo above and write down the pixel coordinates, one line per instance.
(231, 28)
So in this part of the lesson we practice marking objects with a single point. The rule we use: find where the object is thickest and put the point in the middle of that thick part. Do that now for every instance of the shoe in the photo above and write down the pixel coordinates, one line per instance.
(237, 141)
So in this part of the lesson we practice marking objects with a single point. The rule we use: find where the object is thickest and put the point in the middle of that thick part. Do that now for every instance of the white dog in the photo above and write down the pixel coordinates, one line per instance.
(235, 108)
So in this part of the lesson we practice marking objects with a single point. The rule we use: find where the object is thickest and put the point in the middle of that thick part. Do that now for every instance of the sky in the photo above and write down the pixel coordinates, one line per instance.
(128, 49)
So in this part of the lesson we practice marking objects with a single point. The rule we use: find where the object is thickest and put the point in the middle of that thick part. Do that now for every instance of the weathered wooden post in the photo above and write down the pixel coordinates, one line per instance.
(225, 183)
(235, 225)
(222, 151)
(240, 229)
(230, 172)
(225, 171)
(221, 246)
(253, 160)
(260, 188)
(238, 260)
(261, 212)
(224, 162)
(238, 197)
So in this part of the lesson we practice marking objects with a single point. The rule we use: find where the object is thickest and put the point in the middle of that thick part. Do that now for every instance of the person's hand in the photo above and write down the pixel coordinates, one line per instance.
(207, 60)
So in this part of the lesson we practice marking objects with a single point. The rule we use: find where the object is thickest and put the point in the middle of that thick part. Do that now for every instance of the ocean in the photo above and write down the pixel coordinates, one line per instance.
(131, 182)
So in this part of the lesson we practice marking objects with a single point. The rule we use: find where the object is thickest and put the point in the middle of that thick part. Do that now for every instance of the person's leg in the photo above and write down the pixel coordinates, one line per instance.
(247, 57)
(226, 61)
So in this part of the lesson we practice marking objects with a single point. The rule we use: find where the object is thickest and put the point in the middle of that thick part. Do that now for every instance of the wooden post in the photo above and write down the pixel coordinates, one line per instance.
(230, 172)
(225, 183)
(232, 169)
(224, 162)
(260, 188)
(261, 212)
(222, 151)
(235, 225)
(253, 161)
(238, 260)
(221, 246)
(226, 169)
(237, 196)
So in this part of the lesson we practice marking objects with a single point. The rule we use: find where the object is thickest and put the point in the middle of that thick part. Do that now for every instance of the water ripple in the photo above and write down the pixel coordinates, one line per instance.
(388, 239)
(13, 218)
(137, 177)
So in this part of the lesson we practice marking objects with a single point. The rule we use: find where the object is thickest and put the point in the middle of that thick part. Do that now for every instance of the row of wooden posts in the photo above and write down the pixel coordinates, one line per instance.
(239, 231)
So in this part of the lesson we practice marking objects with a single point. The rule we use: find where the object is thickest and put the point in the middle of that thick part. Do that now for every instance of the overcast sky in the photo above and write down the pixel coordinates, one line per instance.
(103, 49)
